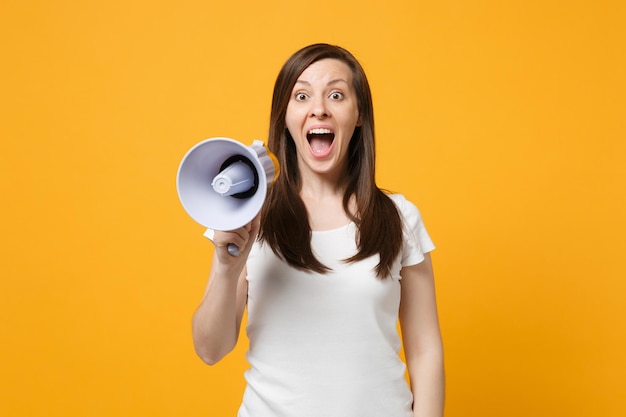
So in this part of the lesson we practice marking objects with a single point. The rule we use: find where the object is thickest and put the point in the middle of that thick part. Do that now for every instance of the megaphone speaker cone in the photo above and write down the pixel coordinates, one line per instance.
(222, 183)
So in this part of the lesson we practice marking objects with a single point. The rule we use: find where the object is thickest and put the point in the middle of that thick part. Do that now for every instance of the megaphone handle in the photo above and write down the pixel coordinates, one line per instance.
(233, 249)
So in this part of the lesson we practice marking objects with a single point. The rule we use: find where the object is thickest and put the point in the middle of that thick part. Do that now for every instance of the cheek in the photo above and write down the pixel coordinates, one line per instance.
(293, 124)
(293, 136)
(293, 133)
(289, 118)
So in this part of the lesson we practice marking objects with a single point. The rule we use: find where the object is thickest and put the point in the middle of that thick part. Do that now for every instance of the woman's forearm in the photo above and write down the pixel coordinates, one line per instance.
(426, 372)
(216, 322)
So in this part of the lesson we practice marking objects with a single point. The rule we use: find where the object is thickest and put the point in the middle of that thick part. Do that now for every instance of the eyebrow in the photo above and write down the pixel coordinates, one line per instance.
(331, 82)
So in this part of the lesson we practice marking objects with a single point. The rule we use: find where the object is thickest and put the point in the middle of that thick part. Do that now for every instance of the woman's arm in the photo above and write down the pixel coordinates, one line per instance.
(217, 321)
(422, 339)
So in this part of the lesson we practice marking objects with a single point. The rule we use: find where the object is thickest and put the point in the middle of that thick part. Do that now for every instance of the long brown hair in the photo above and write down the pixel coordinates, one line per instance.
(284, 224)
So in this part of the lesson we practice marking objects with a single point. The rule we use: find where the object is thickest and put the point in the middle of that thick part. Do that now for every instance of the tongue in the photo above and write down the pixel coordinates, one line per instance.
(320, 144)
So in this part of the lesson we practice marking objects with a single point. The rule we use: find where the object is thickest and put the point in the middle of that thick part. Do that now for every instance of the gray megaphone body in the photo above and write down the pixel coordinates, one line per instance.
(222, 184)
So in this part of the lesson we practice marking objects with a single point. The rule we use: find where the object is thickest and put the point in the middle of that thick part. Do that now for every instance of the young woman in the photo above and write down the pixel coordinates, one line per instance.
(329, 267)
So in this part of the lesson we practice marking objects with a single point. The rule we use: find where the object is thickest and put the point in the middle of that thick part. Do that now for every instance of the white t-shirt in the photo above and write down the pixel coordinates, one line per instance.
(326, 345)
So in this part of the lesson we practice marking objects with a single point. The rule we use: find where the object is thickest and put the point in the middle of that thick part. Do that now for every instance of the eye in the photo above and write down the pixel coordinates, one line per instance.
(300, 96)
(336, 95)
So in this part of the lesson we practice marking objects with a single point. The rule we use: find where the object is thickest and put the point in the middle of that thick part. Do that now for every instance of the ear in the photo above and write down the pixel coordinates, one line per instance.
(358, 121)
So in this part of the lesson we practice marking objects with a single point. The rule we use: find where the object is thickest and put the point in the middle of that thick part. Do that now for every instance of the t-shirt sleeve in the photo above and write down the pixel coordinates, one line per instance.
(417, 241)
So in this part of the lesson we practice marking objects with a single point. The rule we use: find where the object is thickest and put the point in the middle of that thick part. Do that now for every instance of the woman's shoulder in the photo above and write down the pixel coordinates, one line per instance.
(407, 209)
(403, 203)
(399, 199)
(412, 222)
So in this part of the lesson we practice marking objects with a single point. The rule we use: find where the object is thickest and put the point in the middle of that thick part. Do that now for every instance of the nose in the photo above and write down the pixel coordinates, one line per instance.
(319, 108)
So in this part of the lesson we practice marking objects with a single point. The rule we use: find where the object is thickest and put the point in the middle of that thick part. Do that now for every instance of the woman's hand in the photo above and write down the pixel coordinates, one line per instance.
(242, 238)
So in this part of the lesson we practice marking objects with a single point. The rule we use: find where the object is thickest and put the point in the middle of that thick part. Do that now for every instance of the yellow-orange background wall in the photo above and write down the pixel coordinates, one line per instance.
(502, 120)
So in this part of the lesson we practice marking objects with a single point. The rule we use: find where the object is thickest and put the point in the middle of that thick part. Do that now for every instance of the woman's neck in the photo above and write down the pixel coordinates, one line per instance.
(324, 205)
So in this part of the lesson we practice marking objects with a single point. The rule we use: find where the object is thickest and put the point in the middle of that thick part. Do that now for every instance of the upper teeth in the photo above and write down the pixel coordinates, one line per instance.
(320, 131)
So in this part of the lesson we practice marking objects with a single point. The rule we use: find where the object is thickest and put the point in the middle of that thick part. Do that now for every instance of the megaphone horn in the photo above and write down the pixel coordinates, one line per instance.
(222, 184)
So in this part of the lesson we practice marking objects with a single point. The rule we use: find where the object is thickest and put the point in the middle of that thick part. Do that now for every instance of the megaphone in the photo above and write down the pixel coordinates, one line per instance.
(222, 184)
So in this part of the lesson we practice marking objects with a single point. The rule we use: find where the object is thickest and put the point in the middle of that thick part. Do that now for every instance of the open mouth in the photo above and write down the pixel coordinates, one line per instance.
(320, 140)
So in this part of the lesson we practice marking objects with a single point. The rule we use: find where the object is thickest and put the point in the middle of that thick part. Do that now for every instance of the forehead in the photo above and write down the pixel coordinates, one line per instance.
(325, 71)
